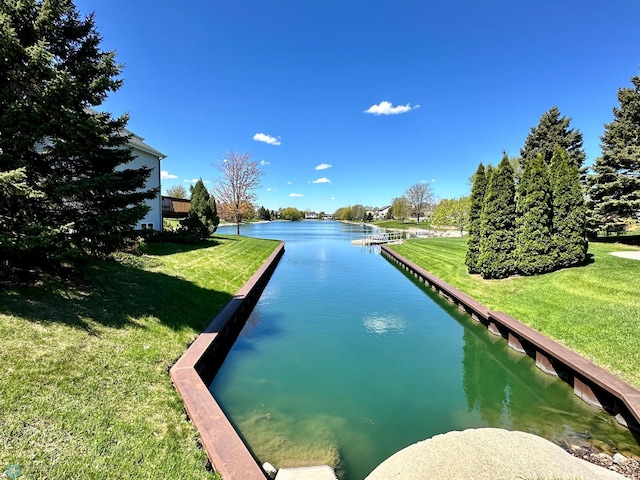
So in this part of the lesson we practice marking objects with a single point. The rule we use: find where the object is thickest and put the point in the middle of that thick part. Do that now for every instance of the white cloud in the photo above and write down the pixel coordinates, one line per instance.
(272, 189)
(323, 166)
(261, 137)
(322, 180)
(332, 198)
(296, 195)
(289, 183)
(264, 162)
(194, 180)
(387, 108)
(164, 175)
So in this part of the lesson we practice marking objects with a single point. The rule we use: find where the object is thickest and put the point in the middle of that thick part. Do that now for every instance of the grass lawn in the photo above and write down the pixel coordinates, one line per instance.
(400, 225)
(594, 310)
(84, 388)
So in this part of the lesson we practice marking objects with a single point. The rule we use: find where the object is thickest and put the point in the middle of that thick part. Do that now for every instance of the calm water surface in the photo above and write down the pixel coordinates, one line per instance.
(345, 360)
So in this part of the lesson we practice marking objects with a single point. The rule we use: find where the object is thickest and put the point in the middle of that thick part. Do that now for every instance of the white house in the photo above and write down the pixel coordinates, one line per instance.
(382, 213)
(147, 156)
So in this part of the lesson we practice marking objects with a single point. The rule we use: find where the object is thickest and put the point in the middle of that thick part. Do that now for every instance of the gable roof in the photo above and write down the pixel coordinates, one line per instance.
(137, 142)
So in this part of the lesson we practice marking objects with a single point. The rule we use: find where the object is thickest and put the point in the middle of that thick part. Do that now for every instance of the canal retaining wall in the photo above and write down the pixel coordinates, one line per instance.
(590, 382)
(194, 371)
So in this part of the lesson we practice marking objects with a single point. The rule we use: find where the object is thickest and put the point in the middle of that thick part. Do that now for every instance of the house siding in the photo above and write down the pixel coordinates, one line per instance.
(154, 216)
(147, 156)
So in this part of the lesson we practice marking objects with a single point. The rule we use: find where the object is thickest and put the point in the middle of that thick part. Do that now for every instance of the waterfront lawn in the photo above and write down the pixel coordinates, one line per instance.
(594, 309)
(397, 224)
(85, 390)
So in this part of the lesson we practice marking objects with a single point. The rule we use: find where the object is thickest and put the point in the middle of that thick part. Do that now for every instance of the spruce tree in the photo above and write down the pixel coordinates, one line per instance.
(534, 240)
(202, 219)
(498, 224)
(615, 185)
(569, 212)
(53, 73)
(477, 201)
(552, 130)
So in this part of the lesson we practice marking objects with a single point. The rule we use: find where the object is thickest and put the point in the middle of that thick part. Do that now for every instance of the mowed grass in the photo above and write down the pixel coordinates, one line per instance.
(593, 309)
(84, 386)
(400, 225)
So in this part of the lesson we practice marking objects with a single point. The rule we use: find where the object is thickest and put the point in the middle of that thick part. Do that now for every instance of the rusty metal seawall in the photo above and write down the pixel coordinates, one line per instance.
(591, 383)
(196, 368)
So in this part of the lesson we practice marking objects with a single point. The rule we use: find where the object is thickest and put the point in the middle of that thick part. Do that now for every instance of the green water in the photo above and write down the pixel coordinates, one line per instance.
(345, 360)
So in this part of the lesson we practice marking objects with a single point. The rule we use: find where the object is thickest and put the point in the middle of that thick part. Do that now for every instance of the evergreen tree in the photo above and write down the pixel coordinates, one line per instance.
(264, 214)
(498, 224)
(534, 240)
(615, 185)
(477, 201)
(553, 130)
(202, 219)
(53, 72)
(569, 212)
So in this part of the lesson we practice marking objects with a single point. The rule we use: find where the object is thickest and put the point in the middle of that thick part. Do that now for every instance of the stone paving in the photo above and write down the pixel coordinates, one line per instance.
(307, 473)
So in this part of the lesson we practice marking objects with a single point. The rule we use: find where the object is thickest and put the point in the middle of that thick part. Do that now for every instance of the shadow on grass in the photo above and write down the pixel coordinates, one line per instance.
(588, 260)
(630, 239)
(169, 248)
(117, 296)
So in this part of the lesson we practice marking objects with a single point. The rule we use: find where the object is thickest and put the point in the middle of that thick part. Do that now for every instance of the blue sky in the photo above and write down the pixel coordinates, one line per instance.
(351, 102)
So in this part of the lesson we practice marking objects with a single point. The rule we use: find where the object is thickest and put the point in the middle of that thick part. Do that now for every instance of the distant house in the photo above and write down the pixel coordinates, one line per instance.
(311, 216)
(382, 213)
(147, 156)
(173, 207)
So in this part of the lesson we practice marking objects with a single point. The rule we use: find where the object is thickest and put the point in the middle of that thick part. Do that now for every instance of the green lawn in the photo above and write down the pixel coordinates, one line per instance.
(85, 390)
(594, 310)
(401, 225)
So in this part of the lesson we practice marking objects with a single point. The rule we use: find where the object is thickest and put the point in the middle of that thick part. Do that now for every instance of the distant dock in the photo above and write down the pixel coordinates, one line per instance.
(379, 239)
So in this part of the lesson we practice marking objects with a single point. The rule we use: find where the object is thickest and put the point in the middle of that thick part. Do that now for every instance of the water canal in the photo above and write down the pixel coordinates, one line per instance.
(346, 360)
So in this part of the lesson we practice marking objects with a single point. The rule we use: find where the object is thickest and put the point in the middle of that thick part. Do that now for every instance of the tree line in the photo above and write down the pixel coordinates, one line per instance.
(534, 215)
(529, 216)
(534, 228)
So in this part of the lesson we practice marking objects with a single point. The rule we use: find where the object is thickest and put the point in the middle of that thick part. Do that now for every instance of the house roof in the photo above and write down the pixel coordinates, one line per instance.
(137, 142)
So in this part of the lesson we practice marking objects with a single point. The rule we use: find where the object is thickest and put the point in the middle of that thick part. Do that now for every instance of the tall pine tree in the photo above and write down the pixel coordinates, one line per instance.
(552, 130)
(615, 185)
(54, 72)
(569, 212)
(534, 240)
(477, 201)
(498, 224)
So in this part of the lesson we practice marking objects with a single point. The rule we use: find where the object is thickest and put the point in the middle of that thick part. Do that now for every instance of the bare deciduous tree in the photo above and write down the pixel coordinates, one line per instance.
(420, 197)
(235, 188)
(177, 191)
